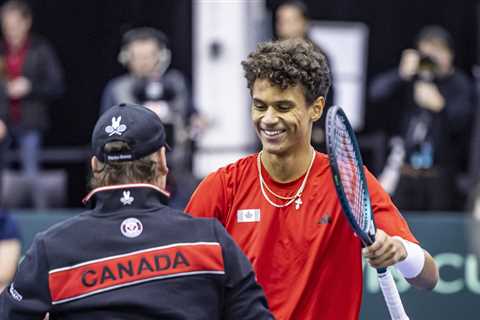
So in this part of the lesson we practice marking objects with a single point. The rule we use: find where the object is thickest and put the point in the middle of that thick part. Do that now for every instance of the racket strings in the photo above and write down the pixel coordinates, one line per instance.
(349, 173)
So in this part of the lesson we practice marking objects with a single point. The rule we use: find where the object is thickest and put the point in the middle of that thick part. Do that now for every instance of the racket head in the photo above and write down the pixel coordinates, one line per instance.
(348, 174)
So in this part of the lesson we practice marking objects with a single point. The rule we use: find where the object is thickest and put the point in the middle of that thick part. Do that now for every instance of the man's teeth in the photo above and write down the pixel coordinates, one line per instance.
(272, 132)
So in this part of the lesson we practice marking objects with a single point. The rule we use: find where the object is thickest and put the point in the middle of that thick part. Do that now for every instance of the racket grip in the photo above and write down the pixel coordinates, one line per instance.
(391, 296)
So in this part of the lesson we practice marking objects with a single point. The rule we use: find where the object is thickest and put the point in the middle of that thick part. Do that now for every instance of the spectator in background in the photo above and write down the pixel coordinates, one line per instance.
(3, 135)
(9, 238)
(146, 56)
(150, 81)
(9, 249)
(292, 21)
(436, 109)
(31, 78)
(473, 182)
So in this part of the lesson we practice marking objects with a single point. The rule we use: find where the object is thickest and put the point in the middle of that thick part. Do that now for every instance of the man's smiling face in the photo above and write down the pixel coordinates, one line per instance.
(282, 118)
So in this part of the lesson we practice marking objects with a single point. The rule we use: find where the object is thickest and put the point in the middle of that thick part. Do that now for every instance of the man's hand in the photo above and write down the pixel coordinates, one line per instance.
(18, 87)
(409, 64)
(385, 251)
(161, 108)
(3, 130)
(427, 95)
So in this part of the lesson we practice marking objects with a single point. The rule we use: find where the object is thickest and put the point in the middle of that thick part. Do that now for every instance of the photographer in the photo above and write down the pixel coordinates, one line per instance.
(146, 56)
(433, 119)
(151, 82)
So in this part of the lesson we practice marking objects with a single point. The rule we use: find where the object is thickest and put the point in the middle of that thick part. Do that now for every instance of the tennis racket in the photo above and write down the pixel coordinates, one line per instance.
(351, 186)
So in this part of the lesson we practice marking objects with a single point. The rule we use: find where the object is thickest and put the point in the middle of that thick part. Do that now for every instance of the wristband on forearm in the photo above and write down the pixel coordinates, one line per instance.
(413, 264)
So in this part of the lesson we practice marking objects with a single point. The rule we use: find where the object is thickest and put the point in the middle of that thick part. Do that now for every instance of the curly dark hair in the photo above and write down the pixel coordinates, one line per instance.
(287, 63)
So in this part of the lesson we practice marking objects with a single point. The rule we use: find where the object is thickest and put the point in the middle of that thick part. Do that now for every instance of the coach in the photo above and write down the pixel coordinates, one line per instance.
(130, 255)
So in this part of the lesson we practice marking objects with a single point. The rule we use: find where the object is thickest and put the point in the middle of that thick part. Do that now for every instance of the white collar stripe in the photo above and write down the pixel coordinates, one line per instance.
(125, 186)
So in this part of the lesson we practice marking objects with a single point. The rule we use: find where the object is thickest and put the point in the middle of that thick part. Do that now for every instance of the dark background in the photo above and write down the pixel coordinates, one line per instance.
(86, 35)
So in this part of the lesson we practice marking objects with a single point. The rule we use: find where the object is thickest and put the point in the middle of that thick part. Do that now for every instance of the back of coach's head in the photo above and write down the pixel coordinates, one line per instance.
(129, 145)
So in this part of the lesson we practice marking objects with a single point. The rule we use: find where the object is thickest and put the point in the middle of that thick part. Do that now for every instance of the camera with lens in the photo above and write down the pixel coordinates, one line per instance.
(159, 95)
(153, 90)
(427, 68)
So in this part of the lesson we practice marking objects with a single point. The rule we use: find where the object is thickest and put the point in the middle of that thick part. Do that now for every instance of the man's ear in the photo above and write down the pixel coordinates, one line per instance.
(162, 161)
(162, 168)
(94, 164)
(316, 108)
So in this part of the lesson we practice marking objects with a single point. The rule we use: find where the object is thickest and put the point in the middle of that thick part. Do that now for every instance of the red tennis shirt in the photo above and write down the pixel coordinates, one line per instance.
(308, 260)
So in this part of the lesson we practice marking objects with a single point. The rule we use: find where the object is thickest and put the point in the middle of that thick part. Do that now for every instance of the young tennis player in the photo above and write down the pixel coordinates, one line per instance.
(281, 207)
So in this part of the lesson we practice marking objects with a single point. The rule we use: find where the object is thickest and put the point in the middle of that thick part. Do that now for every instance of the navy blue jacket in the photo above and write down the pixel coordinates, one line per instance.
(132, 257)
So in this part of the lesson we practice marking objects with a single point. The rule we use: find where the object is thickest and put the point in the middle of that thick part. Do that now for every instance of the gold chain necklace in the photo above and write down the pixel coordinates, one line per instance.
(295, 198)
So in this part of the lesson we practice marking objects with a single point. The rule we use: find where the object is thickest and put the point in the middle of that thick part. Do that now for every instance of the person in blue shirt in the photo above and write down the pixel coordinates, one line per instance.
(9, 248)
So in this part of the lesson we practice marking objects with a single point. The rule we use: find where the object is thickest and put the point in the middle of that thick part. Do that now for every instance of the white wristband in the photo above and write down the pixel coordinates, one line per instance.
(413, 264)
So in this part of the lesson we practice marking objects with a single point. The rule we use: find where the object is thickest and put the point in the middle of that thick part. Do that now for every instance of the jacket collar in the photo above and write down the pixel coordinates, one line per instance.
(114, 198)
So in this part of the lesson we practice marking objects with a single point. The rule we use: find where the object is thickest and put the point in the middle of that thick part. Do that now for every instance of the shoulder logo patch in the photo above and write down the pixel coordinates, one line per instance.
(131, 227)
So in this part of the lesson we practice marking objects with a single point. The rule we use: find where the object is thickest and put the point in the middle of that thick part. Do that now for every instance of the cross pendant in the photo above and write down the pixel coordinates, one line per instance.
(298, 203)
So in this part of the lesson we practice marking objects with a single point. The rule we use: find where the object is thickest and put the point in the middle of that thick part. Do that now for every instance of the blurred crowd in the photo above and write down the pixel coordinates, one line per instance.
(433, 132)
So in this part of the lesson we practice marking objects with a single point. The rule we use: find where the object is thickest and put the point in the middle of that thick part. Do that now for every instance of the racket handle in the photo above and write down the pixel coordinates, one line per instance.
(391, 296)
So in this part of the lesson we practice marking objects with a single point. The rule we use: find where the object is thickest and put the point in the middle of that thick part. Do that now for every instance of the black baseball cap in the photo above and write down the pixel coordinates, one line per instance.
(136, 125)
